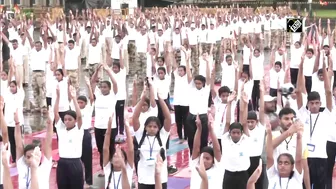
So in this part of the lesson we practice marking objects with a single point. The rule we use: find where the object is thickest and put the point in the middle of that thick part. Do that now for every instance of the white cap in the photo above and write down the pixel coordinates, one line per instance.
(268, 98)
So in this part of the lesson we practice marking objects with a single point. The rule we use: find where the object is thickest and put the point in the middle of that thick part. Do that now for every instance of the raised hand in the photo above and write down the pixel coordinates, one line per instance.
(5, 155)
(58, 90)
(244, 97)
(72, 92)
(232, 96)
(87, 80)
(16, 116)
(2, 103)
(201, 169)
(51, 115)
(36, 157)
(198, 121)
(158, 164)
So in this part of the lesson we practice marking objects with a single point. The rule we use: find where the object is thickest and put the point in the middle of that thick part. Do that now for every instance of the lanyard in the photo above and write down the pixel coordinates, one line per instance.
(223, 114)
(312, 127)
(287, 142)
(151, 146)
(114, 183)
(27, 181)
(280, 182)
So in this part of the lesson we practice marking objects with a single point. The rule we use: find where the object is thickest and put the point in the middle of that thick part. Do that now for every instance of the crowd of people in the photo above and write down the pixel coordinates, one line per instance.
(248, 133)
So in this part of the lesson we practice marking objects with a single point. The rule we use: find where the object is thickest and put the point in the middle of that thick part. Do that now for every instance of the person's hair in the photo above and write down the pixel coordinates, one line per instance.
(71, 41)
(246, 72)
(256, 50)
(313, 96)
(111, 156)
(320, 71)
(223, 89)
(82, 98)
(228, 56)
(28, 147)
(278, 63)
(209, 150)
(38, 42)
(326, 46)
(201, 79)
(116, 64)
(71, 113)
(286, 111)
(183, 67)
(6, 72)
(153, 49)
(107, 83)
(252, 115)
(60, 71)
(289, 156)
(162, 58)
(13, 82)
(50, 38)
(162, 69)
(14, 41)
(236, 125)
(310, 50)
(298, 42)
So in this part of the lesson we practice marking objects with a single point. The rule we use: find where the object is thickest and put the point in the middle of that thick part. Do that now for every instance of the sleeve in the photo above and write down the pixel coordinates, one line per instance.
(271, 172)
(59, 124)
(164, 135)
(297, 176)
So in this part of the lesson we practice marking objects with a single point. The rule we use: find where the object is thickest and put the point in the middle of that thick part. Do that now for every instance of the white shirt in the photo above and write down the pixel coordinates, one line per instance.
(71, 58)
(214, 174)
(146, 166)
(275, 77)
(318, 86)
(257, 138)
(308, 66)
(296, 56)
(228, 75)
(43, 173)
(333, 56)
(115, 54)
(317, 142)
(64, 104)
(203, 64)
(193, 36)
(246, 55)
(198, 103)
(3, 87)
(144, 115)
(237, 157)
(86, 115)
(181, 97)
(51, 82)
(273, 180)
(14, 102)
(162, 87)
(248, 87)
(104, 108)
(94, 53)
(17, 54)
(120, 77)
(220, 115)
(257, 64)
(69, 141)
(38, 59)
(141, 43)
(116, 176)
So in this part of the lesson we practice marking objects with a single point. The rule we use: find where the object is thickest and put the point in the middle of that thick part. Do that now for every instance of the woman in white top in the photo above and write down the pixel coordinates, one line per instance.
(288, 173)
(150, 140)
(118, 165)
(24, 154)
(104, 107)
(3, 141)
(211, 157)
(13, 97)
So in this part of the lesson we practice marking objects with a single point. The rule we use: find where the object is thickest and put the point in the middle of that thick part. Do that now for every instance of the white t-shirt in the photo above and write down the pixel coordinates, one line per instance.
(273, 180)
(215, 175)
(228, 75)
(257, 138)
(220, 116)
(13, 102)
(104, 108)
(148, 151)
(43, 173)
(182, 85)
(64, 103)
(144, 115)
(120, 77)
(275, 77)
(116, 177)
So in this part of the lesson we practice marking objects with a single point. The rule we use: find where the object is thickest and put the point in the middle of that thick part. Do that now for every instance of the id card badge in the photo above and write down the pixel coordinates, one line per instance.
(311, 147)
(150, 161)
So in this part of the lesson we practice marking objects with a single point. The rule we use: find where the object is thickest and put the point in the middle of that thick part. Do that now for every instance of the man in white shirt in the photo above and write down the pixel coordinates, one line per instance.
(192, 36)
(71, 61)
(93, 56)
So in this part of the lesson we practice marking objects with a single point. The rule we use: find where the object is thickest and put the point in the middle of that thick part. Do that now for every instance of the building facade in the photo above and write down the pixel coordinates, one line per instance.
(35, 3)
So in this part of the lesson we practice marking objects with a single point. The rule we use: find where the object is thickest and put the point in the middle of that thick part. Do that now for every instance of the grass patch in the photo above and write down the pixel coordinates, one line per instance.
(325, 13)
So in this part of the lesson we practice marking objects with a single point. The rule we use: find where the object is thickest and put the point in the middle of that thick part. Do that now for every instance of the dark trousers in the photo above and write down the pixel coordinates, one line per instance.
(273, 92)
(293, 75)
(254, 165)
(147, 186)
(100, 135)
(236, 180)
(317, 172)
(48, 100)
(11, 137)
(191, 128)
(255, 95)
(220, 144)
(334, 84)
(181, 114)
(87, 156)
(119, 111)
(249, 108)
(308, 83)
(210, 100)
(69, 173)
(1, 186)
(331, 152)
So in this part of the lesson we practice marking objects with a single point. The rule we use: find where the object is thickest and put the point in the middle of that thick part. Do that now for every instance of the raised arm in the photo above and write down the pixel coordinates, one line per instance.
(49, 135)
(7, 180)
(3, 124)
(243, 109)
(298, 155)
(106, 145)
(18, 136)
(215, 143)
(228, 113)
(137, 111)
(197, 139)
(166, 114)
(269, 148)
(327, 88)
(130, 145)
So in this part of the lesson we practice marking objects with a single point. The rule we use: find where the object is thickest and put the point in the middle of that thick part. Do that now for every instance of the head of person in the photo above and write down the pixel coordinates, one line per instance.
(116, 67)
(93, 42)
(4, 75)
(205, 54)
(88, 29)
(160, 32)
(256, 52)
(153, 51)
(59, 75)
(145, 105)
(286, 117)
(203, 26)
(252, 119)
(270, 103)
(285, 165)
(143, 31)
(245, 75)
(71, 44)
(82, 101)
(13, 87)
(50, 40)
(212, 26)
(277, 66)
(105, 87)
(280, 51)
(326, 48)
(70, 118)
(208, 157)
(161, 72)
(314, 102)
(28, 151)
(320, 74)
(229, 59)
(116, 162)
(38, 45)
(15, 43)
(224, 93)
(117, 38)
(297, 44)
(309, 53)
(160, 61)
(152, 126)
(177, 30)
(181, 70)
(199, 82)
(236, 131)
